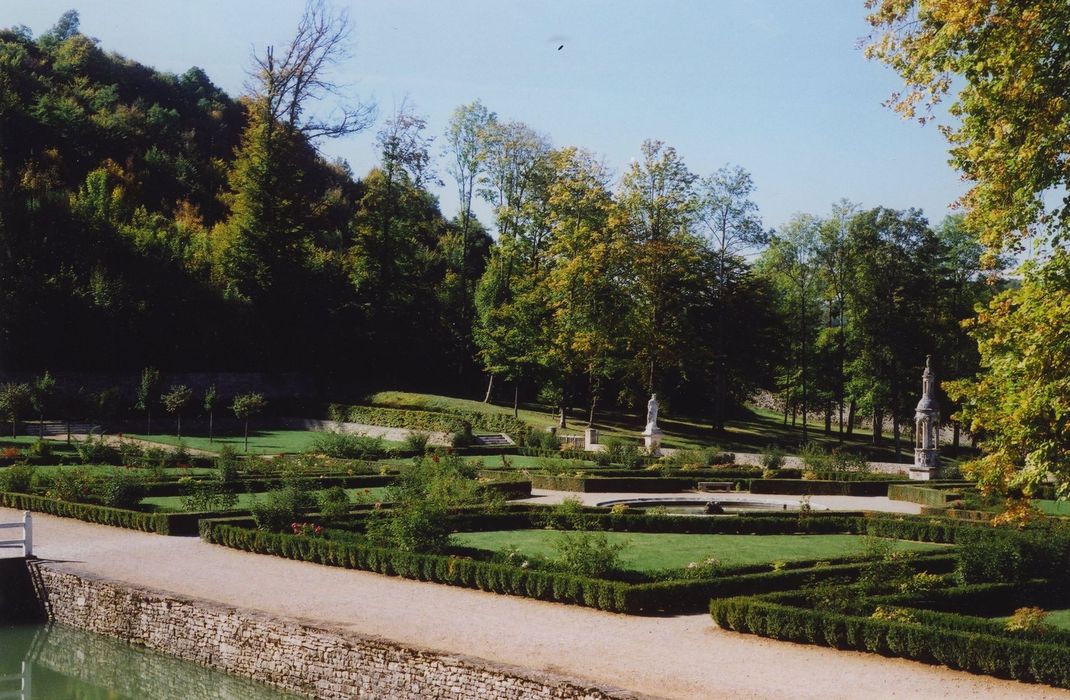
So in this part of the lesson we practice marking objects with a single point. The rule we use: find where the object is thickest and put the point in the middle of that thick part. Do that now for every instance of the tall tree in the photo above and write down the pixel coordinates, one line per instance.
(657, 197)
(148, 394)
(730, 224)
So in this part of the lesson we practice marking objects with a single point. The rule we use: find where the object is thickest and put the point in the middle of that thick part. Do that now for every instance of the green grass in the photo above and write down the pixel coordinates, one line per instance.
(1059, 619)
(246, 500)
(59, 447)
(1053, 507)
(653, 551)
(759, 429)
(260, 442)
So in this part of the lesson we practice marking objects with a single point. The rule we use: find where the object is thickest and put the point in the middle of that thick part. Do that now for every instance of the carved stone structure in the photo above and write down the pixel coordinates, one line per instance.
(927, 429)
(652, 433)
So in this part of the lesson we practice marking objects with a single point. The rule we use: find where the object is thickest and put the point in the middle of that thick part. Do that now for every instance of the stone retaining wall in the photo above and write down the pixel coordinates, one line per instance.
(311, 661)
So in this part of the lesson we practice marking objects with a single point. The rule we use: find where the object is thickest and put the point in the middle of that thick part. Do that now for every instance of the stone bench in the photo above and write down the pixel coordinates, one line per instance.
(715, 485)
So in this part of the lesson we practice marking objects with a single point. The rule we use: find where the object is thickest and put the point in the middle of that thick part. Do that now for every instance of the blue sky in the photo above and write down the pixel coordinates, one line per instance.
(779, 87)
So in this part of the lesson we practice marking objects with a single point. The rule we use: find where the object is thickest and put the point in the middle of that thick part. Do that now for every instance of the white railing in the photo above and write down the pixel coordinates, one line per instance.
(18, 686)
(27, 535)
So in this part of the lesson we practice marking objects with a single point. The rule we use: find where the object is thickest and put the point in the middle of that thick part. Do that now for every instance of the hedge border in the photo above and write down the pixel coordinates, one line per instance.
(970, 650)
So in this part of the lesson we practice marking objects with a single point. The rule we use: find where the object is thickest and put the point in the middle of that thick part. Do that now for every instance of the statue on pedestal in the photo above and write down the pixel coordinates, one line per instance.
(652, 433)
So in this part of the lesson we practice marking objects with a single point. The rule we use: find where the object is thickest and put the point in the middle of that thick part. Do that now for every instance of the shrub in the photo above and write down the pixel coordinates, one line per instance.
(71, 484)
(772, 458)
(1028, 619)
(543, 440)
(17, 478)
(227, 465)
(41, 449)
(349, 445)
(334, 502)
(96, 451)
(587, 553)
(623, 452)
(281, 507)
(417, 441)
(121, 490)
(208, 495)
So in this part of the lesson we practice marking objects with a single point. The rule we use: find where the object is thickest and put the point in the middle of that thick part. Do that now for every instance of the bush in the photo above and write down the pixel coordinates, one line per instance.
(1028, 619)
(334, 502)
(41, 449)
(772, 458)
(543, 440)
(96, 451)
(417, 441)
(208, 495)
(227, 465)
(281, 507)
(71, 484)
(349, 445)
(623, 452)
(17, 478)
(121, 490)
(587, 553)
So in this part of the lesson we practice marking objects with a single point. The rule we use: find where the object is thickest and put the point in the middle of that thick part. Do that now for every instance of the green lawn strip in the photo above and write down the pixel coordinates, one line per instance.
(260, 442)
(1059, 619)
(1053, 507)
(246, 500)
(24, 441)
(653, 551)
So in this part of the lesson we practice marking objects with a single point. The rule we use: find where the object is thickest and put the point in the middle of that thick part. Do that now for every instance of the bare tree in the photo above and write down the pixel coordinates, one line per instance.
(286, 82)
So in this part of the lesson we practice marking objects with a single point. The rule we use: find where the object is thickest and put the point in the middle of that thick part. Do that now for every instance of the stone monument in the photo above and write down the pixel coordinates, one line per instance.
(652, 433)
(927, 429)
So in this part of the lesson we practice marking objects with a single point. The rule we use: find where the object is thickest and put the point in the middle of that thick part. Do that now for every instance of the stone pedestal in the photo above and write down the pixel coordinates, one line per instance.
(652, 440)
(590, 439)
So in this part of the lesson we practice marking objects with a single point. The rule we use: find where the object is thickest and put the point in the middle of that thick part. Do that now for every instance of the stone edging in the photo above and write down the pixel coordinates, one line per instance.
(309, 660)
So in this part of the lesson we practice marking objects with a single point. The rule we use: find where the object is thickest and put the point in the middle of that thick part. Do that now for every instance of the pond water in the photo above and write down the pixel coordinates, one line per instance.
(56, 662)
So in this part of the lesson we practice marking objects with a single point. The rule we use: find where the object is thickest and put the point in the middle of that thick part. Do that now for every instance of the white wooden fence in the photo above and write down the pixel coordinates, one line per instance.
(27, 535)
(18, 686)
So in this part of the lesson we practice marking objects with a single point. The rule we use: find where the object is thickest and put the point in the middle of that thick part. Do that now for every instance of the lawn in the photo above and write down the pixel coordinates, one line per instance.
(653, 551)
(756, 431)
(1053, 507)
(246, 500)
(58, 447)
(260, 442)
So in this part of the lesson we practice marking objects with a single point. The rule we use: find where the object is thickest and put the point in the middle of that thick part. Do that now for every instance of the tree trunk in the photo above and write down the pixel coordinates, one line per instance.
(828, 418)
(246, 436)
(878, 426)
(955, 434)
(590, 415)
(851, 408)
(895, 434)
(490, 388)
(794, 412)
(516, 398)
(785, 410)
(561, 418)
(68, 431)
(179, 417)
(210, 427)
(148, 423)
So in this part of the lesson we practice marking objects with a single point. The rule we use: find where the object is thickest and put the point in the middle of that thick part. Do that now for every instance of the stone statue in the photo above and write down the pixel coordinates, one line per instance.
(652, 433)
(652, 412)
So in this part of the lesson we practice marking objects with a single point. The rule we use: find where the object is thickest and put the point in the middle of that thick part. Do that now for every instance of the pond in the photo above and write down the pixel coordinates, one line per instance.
(708, 505)
(56, 662)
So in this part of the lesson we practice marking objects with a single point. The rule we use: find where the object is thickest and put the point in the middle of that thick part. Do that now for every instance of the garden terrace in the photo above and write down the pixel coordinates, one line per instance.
(685, 589)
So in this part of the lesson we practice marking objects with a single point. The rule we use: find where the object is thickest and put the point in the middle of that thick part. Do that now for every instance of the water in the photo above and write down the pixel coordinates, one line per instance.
(693, 506)
(56, 662)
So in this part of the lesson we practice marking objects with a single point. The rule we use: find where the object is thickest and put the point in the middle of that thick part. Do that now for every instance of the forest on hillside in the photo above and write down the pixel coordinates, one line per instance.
(150, 219)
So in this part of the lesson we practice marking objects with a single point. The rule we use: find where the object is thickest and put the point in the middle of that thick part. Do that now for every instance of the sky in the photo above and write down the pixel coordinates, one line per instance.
(779, 87)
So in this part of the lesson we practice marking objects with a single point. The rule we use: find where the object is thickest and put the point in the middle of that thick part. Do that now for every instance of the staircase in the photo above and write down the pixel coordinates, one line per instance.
(496, 440)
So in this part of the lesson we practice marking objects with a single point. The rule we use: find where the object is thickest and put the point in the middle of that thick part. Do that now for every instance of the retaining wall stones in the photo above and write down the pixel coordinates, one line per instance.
(311, 661)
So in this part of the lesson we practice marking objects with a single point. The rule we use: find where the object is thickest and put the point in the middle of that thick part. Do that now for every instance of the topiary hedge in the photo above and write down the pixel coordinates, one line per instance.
(159, 523)
(925, 640)
(430, 421)
(923, 495)
(818, 487)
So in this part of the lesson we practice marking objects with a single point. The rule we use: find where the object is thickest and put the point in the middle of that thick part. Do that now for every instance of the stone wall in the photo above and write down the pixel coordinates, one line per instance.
(311, 661)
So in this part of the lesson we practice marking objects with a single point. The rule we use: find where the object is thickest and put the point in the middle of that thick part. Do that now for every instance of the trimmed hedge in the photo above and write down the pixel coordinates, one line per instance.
(159, 523)
(817, 487)
(923, 495)
(455, 571)
(970, 650)
(431, 421)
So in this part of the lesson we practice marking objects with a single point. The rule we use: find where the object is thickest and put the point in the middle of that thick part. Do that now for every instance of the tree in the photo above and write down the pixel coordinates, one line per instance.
(285, 84)
(730, 223)
(15, 401)
(175, 401)
(837, 266)
(209, 402)
(246, 407)
(42, 397)
(1009, 136)
(1018, 403)
(791, 262)
(148, 394)
(658, 200)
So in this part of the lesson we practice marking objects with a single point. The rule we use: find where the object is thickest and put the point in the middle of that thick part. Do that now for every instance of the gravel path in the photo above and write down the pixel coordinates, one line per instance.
(671, 657)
